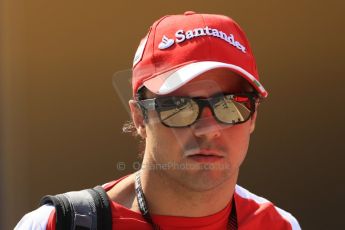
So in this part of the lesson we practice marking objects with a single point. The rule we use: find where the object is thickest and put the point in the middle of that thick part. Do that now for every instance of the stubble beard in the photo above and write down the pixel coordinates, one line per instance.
(200, 178)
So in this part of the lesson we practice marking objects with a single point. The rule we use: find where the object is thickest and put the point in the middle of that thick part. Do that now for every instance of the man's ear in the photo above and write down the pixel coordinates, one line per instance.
(253, 121)
(138, 118)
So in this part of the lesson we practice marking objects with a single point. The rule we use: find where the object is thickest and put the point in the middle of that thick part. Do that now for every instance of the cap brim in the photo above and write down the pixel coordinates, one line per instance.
(170, 81)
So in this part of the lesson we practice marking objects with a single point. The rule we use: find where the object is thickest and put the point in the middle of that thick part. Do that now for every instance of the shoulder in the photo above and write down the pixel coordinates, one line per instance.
(254, 210)
(41, 217)
(37, 219)
(123, 193)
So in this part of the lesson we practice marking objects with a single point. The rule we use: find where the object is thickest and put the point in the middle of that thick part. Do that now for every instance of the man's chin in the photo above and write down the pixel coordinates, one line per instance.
(203, 178)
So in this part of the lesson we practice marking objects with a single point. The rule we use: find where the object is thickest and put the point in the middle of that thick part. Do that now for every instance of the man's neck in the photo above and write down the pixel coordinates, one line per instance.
(170, 198)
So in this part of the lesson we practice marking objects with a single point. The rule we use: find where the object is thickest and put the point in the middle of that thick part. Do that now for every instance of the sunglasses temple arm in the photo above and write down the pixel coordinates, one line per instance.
(148, 104)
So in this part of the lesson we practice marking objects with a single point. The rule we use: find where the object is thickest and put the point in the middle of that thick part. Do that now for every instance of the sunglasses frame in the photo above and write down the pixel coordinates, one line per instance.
(151, 104)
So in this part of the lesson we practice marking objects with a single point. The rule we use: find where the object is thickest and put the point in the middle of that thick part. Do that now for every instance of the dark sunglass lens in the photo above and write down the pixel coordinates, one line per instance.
(177, 112)
(232, 109)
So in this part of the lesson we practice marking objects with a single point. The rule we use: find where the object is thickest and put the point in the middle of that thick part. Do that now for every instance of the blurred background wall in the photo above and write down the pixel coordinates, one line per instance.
(61, 118)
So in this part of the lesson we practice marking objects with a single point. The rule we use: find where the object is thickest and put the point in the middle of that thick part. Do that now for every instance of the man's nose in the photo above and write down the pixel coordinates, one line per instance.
(207, 125)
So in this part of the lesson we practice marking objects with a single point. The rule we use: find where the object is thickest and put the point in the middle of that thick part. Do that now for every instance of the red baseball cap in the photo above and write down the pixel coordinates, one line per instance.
(179, 48)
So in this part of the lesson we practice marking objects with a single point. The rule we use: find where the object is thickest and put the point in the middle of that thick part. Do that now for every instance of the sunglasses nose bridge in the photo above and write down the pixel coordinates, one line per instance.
(205, 111)
(206, 124)
(204, 105)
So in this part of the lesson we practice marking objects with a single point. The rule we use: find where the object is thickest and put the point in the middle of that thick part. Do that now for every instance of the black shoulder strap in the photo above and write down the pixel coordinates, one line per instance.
(87, 209)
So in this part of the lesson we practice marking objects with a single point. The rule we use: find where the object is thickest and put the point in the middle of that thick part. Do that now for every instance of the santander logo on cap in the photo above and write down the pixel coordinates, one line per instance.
(166, 43)
(181, 36)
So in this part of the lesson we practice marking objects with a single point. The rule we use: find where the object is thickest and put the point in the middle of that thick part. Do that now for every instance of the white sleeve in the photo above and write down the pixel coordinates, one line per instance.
(35, 220)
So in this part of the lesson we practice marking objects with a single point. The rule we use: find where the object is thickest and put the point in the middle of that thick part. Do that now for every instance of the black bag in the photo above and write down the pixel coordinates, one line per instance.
(87, 209)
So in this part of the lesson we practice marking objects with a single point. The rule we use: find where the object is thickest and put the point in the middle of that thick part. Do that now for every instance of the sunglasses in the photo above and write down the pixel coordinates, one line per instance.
(178, 112)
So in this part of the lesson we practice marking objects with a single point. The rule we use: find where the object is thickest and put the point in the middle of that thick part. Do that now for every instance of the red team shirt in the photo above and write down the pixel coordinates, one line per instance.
(253, 212)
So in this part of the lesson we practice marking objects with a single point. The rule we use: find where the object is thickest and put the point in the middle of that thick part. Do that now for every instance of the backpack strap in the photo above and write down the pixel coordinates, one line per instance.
(87, 209)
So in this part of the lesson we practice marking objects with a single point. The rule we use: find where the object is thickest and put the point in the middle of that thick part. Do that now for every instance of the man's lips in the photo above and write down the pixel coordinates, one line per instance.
(205, 155)
(204, 152)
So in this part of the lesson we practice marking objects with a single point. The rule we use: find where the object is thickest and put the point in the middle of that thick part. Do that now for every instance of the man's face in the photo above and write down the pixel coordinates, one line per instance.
(179, 153)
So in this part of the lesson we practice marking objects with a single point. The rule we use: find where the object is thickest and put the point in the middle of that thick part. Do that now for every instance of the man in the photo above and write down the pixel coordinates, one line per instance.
(195, 96)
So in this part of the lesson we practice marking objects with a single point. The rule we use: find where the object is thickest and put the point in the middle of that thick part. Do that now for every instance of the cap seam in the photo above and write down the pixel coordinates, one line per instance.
(154, 39)
(208, 37)
(246, 40)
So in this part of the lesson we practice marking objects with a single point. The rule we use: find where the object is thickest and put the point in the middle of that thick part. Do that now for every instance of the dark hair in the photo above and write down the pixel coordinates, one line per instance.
(129, 127)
